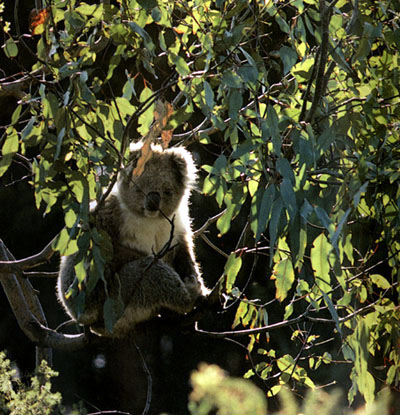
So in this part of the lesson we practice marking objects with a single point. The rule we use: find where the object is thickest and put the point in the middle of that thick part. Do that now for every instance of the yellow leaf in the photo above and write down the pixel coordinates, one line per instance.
(283, 274)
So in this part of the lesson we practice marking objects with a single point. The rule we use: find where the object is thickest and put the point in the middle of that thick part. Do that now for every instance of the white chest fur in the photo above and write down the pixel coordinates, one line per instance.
(147, 235)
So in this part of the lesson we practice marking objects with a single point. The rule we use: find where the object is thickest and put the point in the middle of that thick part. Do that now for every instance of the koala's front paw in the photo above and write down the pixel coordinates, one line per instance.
(192, 285)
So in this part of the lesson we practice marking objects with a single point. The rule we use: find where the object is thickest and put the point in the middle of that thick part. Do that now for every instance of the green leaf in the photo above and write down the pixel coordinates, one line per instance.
(380, 281)
(80, 270)
(302, 70)
(273, 129)
(234, 199)
(224, 222)
(60, 138)
(147, 117)
(360, 192)
(325, 220)
(283, 274)
(146, 37)
(249, 73)
(79, 186)
(180, 64)
(289, 58)
(274, 224)
(94, 10)
(16, 114)
(320, 253)
(209, 95)
(306, 210)
(10, 147)
(285, 170)
(99, 261)
(337, 54)
(244, 148)
(112, 311)
(339, 228)
(231, 270)
(231, 80)
(267, 201)
(10, 48)
(324, 141)
(288, 198)
(235, 103)
(61, 242)
(240, 313)
(333, 312)
(148, 4)
(359, 342)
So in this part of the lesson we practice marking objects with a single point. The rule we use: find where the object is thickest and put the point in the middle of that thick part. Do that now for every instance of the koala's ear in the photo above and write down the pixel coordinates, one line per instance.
(184, 166)
(125, 174)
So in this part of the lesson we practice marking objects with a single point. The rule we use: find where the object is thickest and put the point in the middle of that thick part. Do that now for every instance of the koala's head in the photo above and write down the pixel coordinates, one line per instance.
(166, 179)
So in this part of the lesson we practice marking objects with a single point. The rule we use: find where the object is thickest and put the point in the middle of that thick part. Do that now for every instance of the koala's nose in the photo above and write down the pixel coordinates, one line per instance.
(153, 200)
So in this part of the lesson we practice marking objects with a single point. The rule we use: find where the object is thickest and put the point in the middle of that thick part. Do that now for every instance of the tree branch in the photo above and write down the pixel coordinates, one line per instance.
(249, 332)
(325, 13)
(16, 86)
(16, 266)
(207, 223)
(28, 310)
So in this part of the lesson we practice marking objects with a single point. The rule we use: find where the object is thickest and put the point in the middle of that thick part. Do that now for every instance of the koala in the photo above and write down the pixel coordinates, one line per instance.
(137, 215)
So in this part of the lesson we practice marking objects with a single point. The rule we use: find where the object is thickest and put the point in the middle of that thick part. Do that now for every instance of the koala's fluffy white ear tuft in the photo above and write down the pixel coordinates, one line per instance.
(184, 162)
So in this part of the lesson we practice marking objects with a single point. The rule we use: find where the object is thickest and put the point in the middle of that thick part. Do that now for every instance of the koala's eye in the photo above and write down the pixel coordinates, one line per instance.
(168, 192)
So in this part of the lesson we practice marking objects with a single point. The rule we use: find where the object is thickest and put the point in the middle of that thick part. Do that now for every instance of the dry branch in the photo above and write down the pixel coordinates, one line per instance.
(16, 87)
(248, 332)
(28, 310)
(16, 266)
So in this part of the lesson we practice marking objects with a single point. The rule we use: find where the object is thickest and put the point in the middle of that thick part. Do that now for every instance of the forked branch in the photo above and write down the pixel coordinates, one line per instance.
(27, 308)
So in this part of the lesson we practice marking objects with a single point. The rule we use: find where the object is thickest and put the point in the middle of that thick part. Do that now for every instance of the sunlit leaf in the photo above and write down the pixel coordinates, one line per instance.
(283, 274)
(8, 150)
(380, 281)
(320, 253)
(231, 270)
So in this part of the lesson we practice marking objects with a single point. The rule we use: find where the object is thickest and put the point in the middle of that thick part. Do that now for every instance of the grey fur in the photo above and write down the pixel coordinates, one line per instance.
(131, 216)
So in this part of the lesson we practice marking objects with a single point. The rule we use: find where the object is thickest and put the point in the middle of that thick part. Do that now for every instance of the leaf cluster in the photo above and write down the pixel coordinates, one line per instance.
(17, 398)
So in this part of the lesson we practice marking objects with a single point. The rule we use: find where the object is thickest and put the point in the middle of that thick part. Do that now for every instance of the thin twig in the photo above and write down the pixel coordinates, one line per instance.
(149, 381)
(40, 274)
(204, 227)
(208, 222)
(248, 332)
(110, 413)
(213, 246)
